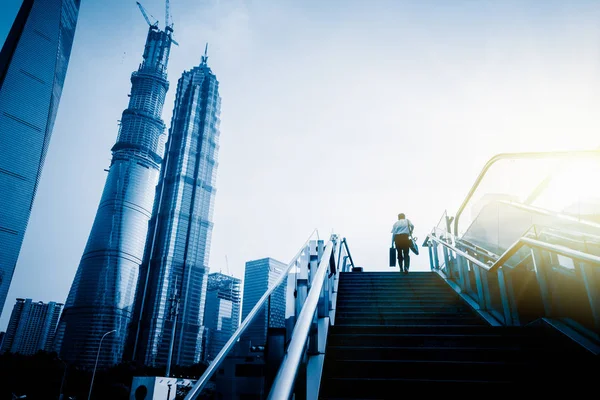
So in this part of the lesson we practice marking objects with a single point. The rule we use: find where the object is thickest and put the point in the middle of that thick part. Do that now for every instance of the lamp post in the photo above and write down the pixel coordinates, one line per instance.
(62, 382)
(95, 365)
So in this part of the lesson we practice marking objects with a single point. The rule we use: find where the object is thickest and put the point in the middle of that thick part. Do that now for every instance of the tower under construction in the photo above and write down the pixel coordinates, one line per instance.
(100, 303)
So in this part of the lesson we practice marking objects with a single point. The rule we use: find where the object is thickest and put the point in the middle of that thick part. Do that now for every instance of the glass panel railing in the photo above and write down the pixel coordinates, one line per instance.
(500, 224)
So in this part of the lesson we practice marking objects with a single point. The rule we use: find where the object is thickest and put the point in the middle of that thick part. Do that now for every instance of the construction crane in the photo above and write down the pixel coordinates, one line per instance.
(155, 24)
(168, 22)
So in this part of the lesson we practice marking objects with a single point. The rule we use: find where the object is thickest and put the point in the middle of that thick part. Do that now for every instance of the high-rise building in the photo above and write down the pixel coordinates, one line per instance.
(102, 294)
(222, 311)
(33, 66)
(31, 327)
(177, 251)
(258, 277)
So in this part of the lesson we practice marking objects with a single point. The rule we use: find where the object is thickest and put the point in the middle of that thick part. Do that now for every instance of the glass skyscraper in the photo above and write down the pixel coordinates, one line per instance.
(33, 66)
(222, 311)
(177, 251)
(31, 327)
(102, 294)
(258, 277)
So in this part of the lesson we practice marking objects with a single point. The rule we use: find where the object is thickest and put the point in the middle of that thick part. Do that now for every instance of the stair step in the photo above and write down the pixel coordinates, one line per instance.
(423, 369)
(503, 354)
(408, 307)
(434, 329)
(399, 300)
(399, 283)
(391, 320)
(434, 340)
(342, 301)
(393, 388)
(368, 297)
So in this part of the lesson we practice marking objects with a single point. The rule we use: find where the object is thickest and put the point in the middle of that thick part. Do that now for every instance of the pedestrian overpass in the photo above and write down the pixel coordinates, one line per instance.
(511, 302)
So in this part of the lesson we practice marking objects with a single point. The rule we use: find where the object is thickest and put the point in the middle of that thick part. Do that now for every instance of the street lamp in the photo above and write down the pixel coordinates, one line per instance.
(62, 382)
(95, 365)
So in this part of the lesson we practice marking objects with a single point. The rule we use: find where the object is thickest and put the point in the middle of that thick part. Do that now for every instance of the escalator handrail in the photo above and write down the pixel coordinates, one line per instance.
(515, 156)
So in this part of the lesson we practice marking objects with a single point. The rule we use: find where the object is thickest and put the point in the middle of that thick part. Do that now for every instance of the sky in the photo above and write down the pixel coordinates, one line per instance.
(336, 116)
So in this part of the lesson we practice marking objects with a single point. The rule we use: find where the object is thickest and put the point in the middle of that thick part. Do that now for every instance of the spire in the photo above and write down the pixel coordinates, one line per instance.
(205, 56)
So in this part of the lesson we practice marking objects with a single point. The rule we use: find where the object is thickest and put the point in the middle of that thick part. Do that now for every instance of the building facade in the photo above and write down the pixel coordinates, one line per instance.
(102, 294)
(31, 327)
(33, 66)
(258, 277)
(222, 311)
(178, 247)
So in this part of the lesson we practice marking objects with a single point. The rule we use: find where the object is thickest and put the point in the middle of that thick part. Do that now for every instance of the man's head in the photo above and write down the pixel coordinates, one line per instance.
(401, 216)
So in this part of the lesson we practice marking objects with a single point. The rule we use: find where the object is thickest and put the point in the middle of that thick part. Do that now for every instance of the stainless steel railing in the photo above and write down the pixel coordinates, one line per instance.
(220, 357)
(283, 384)
(315, 296)
(504, 292)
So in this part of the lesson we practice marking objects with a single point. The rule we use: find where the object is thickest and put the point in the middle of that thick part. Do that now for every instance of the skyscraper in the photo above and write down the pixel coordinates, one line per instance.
(258, 277)
(31, 327)
(33, 66)
(222, 311)
(102, 294)
(177, 251)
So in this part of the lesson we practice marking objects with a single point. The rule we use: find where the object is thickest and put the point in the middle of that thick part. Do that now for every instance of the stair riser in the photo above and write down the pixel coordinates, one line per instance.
(387, 389)
(505, 354)
(430, 330)
(398, 283)
(486, 341)
(412, 308)
(406, 321)
(421, 370)
(395, 297)
(399, 302)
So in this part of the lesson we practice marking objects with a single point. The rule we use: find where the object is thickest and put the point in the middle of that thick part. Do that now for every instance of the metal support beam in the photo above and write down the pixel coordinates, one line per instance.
(541, 273)
(592, 288)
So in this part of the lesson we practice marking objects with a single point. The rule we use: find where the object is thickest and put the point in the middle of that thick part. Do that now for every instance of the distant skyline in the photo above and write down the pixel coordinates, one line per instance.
(326, 107)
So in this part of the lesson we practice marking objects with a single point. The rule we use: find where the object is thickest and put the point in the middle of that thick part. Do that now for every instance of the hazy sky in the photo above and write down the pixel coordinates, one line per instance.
(336, 115)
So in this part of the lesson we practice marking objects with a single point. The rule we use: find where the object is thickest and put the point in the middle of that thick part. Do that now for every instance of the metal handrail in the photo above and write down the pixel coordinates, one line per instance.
(347, 251)
(203, 380)
(558, 249)
(459, 252)
(516, 156)
(283, 385)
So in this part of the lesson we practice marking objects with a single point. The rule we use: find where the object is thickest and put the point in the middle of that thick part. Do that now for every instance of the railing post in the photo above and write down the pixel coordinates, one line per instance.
(460, 261)
(479, 286)
(436, 260)
(507, 297)
(446, 261)
(467, 276)
(430, 255)
(541, 273)
(590, 279)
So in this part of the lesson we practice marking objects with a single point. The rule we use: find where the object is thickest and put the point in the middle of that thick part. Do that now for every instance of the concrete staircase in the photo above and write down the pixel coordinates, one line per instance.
(397, 334)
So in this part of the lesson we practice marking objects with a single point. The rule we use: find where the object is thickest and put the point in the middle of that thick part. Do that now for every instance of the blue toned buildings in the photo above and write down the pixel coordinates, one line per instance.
(258, 277)
(177, 251)
(222, 311)
(102, 294)
(31, 327)
(33, 65)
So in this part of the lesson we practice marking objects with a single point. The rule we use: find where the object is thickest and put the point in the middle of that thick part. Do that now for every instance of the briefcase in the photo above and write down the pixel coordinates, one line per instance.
(392, 257)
